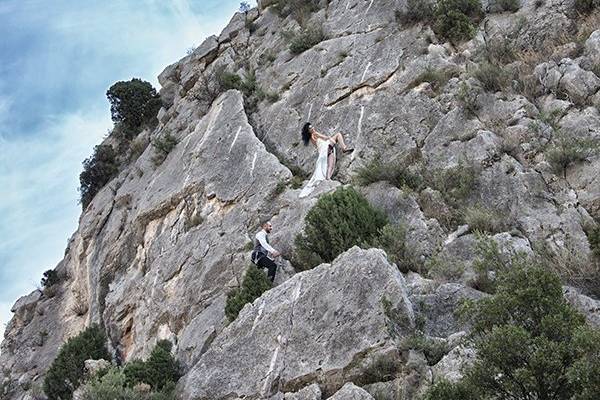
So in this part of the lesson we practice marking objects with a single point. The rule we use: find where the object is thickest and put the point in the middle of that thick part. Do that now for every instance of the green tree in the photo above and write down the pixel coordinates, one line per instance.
(255, 283)
(98, 170)
(337, 222)
(50, 278)
(66, 371)
(133, 104)
(530, 343)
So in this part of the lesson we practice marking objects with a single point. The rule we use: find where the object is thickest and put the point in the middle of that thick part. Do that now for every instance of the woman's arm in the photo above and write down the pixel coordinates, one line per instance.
(317, 134)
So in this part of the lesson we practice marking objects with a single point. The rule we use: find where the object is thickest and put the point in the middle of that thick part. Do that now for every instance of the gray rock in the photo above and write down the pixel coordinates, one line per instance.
(351, 392)
(313, 327)
(312, 392)
(592, 47)
(452, 366)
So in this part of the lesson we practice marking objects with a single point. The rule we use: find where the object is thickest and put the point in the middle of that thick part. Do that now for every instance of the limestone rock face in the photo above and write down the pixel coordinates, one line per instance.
(314, 327)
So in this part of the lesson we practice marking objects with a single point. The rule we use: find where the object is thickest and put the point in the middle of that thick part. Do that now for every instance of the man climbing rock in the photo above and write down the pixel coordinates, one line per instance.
(263, 254)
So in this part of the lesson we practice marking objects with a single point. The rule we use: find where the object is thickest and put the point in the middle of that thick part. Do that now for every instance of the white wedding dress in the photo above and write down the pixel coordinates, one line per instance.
(321, 167)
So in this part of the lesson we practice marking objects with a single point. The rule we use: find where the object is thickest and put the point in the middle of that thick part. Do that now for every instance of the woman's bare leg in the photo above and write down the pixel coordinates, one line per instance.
(339, 138)
(330, 165)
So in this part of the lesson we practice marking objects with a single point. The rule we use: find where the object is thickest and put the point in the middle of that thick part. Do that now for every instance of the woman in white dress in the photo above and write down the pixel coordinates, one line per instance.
(326, 159)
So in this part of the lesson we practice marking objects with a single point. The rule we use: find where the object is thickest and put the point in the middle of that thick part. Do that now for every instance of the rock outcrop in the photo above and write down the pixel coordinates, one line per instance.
(160, 246)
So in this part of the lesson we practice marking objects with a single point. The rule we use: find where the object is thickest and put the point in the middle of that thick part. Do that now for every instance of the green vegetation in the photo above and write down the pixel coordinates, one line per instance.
(254, 285)
(483, 220)
(505, 5)
(66, 371)
(584, 7)
(159, 371)
(163, 145)
(568, 150)
(434, 350)
(436, 78)
(50, 278)
(392, 239)
(395, 173)
(455, 184)
(492, 77)
(451, 19)
(488, 263)
(153, 379)
(594, 239)
(300, 10)
(468, 98)
(416, 11)
(444, 269)
(305, 39)
(133, 105)
(337, 222)
(98, 170)
(455, 19)
(530, 344)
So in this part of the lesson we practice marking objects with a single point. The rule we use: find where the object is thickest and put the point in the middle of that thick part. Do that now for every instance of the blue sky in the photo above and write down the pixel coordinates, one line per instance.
(57, 59)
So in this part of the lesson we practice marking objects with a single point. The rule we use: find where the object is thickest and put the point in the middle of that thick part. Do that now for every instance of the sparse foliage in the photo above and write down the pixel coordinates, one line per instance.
(305, 39)
(255, 283)
(163, 145)
(98, 170)
(395, 173)
(50, 278)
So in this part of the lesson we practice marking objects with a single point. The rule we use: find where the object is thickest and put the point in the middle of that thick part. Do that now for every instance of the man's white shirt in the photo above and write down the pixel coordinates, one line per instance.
(262, 239)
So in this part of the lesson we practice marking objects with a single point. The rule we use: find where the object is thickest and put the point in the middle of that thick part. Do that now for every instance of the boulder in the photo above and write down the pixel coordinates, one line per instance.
(314, 327)
(351, 392)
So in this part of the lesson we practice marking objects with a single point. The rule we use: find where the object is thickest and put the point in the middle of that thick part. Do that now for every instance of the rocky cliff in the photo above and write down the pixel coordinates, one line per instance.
(159, 248)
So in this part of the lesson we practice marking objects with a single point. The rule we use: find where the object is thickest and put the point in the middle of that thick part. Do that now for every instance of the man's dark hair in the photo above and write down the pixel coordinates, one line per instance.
(306, 133)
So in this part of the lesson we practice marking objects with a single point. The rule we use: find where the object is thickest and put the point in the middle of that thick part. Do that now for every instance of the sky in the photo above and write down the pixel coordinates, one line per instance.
(57, 59)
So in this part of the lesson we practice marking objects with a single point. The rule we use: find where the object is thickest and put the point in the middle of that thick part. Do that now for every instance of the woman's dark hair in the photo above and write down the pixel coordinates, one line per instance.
(306, 133)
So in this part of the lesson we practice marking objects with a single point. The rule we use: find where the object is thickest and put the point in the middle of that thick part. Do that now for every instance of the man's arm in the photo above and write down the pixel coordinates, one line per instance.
(262, 239)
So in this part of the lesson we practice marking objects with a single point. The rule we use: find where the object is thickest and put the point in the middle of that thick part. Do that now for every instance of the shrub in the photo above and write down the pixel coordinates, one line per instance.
(444, 269)
(488, 263)
(306, 39)
(98, 170)
(67, 370)
(50, 278)
(416, 11)
(573, 267)
(300, 10)
(434, 350)
(436, 78)
(113, 385)
(492, 77)
(455, 184)
(468, 98)
(392, 239)
(337, 222)
(594, 239)
(585, 6)
(255, 283)
(505, 5)
(569, 149)
(394, 173)
(383, 369)
(454, 19)
(483, 220)
(529, 343)
(163, 145)
(133, 104)
(158, 371)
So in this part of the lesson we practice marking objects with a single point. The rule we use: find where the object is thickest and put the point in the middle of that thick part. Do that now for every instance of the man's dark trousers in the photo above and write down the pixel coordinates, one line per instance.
(266, 262)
